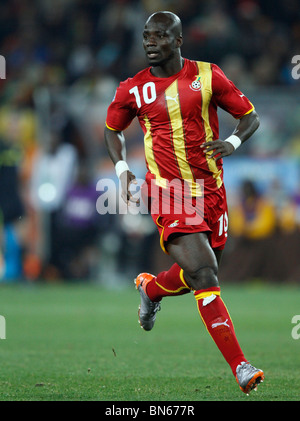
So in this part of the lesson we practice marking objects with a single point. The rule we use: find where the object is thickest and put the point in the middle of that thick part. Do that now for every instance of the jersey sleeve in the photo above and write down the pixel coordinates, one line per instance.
(121, 111)
(228, 96)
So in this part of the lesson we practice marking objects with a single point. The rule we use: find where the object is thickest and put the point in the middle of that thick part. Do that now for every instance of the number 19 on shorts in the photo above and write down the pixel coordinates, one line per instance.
(223, 224)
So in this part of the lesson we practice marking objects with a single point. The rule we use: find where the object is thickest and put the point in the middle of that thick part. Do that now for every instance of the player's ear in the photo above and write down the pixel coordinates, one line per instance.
(179, 41)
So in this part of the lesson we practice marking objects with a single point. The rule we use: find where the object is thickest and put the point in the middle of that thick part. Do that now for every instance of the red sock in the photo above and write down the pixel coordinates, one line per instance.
(167, 283)
(219, 325)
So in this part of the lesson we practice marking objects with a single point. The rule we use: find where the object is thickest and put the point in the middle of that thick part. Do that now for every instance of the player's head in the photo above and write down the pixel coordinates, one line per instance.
(162, 37)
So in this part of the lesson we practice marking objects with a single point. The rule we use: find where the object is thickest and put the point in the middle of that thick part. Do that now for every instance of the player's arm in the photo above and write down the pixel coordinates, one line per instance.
(246, 126)
(227, 96)
(115, 144)
(120, 113)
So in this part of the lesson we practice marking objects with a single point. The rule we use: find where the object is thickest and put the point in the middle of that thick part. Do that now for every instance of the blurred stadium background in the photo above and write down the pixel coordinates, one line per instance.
(64, 60)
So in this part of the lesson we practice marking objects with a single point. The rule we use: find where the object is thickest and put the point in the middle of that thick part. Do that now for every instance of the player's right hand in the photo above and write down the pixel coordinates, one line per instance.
(127, 178)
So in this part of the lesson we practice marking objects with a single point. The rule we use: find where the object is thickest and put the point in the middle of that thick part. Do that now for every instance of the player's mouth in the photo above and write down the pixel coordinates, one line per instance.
(152, 54)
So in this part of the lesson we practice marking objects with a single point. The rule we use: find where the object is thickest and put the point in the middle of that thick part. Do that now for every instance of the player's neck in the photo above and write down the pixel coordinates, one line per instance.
(169, 68)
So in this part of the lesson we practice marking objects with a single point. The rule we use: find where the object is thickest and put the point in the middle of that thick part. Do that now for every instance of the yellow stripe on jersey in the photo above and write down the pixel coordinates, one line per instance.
(110, 128)
(205, 73)
(178, 138)
(161, 240)
(149, 154)
(250, 111)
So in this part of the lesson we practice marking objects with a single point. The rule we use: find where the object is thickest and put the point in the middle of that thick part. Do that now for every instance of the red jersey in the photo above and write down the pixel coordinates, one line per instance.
(177, 114)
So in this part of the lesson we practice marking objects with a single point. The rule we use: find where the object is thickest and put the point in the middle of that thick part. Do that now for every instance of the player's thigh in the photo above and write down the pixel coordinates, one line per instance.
(192, 252)
(218, 254)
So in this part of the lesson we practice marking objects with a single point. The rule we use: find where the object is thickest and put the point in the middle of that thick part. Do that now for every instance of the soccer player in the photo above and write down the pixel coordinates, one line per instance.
(175, 101)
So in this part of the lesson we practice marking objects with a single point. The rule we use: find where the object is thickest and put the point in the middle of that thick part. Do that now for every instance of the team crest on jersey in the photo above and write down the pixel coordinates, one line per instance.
(196, 84)
(174, 224)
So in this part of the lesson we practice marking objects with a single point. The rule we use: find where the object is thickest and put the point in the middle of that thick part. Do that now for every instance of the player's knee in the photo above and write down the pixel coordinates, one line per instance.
(202, 277)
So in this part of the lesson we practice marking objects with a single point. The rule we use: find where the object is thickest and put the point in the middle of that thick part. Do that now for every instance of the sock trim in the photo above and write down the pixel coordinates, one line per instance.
(206, 294)
(170, 290)
(183, 280)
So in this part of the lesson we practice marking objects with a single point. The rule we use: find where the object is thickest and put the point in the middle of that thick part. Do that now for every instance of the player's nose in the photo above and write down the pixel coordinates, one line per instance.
(151, 41)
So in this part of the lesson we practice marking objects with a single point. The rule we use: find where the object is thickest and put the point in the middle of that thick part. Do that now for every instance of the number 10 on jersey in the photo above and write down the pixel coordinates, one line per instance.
(223, 224)
(148, 91)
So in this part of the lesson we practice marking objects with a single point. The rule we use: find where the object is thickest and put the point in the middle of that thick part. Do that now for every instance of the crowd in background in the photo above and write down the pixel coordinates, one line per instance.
(64, 60)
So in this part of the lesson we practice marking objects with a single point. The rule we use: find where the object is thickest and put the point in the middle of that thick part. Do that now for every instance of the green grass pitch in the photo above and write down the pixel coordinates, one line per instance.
(83, 343)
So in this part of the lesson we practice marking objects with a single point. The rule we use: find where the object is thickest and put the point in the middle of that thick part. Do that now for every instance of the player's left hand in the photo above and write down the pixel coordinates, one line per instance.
(219, 149)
